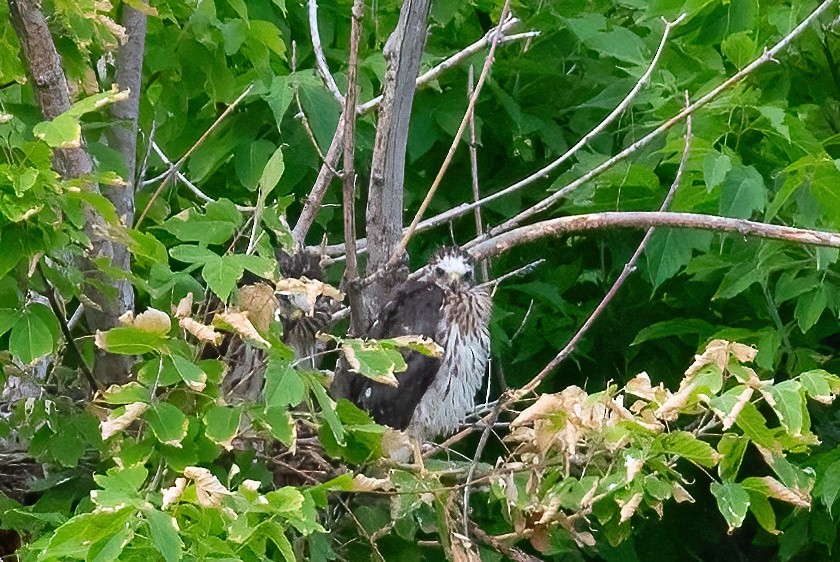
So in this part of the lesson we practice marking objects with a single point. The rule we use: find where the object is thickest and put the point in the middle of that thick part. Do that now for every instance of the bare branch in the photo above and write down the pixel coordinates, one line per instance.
(313, 201)
(320, 59)
(177, 165)
(484, 274)
(435, 72)
(488, 62)
(185, 180)
(546, 170)
(351, 273)
(600, 221)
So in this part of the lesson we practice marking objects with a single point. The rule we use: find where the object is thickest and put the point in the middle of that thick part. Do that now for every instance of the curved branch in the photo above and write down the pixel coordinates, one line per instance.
(320, 59)
(638, 220)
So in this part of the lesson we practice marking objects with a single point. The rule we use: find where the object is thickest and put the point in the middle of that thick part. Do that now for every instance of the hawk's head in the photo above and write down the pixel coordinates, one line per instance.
(452, 268)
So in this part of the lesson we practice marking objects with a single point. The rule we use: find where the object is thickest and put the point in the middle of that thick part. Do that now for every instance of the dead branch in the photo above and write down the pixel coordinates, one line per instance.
(488, 62)
(320, 59)
(546, 170)
(628, 269)
(636, 220)
(312, 203)
(462, 55)
(384, 215)
(351, 272)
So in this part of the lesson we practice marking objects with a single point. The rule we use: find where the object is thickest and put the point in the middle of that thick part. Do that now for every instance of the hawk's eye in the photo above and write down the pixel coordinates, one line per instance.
(439, 271)
(469, 275)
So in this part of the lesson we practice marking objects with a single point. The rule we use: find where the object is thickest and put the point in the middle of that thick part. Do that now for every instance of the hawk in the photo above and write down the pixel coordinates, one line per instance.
(434, 393)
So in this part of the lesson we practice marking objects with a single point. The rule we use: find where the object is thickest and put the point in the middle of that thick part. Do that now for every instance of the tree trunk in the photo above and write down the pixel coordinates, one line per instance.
(50, 85)
(403, 51)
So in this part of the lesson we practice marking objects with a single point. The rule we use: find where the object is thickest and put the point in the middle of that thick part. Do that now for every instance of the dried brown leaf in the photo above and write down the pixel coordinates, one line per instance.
(208, 489)
(112, 426)
(310, 288)
(629, 508)
(241, 325)
(259, 302)
(202, 332)
(173, 494)
(184, 307)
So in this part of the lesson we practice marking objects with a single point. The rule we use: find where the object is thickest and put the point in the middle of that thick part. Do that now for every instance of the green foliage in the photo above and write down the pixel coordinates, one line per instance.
(166, 465)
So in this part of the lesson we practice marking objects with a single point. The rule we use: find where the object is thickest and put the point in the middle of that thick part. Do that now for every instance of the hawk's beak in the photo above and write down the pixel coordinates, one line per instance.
(454, 278)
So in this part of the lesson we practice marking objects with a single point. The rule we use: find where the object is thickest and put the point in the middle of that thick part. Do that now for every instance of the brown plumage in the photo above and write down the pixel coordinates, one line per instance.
(434, 394)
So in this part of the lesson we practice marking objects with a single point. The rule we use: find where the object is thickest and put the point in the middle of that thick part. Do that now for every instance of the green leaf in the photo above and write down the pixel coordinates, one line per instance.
(669, 250)
(715, 168)
(820, 385)
(281, 424)
(763, 512)
(222, 424)
(164, 532)
(743, 193)
(373, 360)
(127, 393)
(733, 501)
(222, 274)
(32, 335)
(731, 448)
(809, 308)
(275, 532)
(74, 538)
(191, 254)
(283, 385)
(686, 445)
(191, 374)
(739, 48)
(831, 485)
(216, 225)
(128, 340)
(789, 406)
(168, 423)
(327, 409)
(272, 172)
(675, 327)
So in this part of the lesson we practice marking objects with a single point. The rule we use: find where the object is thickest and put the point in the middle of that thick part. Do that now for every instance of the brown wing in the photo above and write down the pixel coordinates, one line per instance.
(415, 310)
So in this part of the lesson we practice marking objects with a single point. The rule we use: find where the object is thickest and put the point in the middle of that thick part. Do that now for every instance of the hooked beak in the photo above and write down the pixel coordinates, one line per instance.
(454, 278)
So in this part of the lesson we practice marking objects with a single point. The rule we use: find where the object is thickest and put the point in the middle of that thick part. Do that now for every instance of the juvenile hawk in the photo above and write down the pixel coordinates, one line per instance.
(434, 393)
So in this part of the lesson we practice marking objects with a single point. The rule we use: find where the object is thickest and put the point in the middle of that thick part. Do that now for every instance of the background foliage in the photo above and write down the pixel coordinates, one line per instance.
(766, 149)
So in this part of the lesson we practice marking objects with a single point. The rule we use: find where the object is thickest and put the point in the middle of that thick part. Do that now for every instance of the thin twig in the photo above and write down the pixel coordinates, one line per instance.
(65, 330)
(183, 179)
(177, 165)
(320, 59)
(628, 269)
(488, 62)
(301, 114)
(524, 270)
(484, 274)
(478, 450)
(351, 272)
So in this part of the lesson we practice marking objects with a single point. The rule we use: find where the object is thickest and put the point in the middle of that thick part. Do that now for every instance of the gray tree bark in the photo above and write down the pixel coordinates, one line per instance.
(403, 51)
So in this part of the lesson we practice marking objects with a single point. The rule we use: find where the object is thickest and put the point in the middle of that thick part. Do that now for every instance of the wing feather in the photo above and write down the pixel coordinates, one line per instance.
(415, 310)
